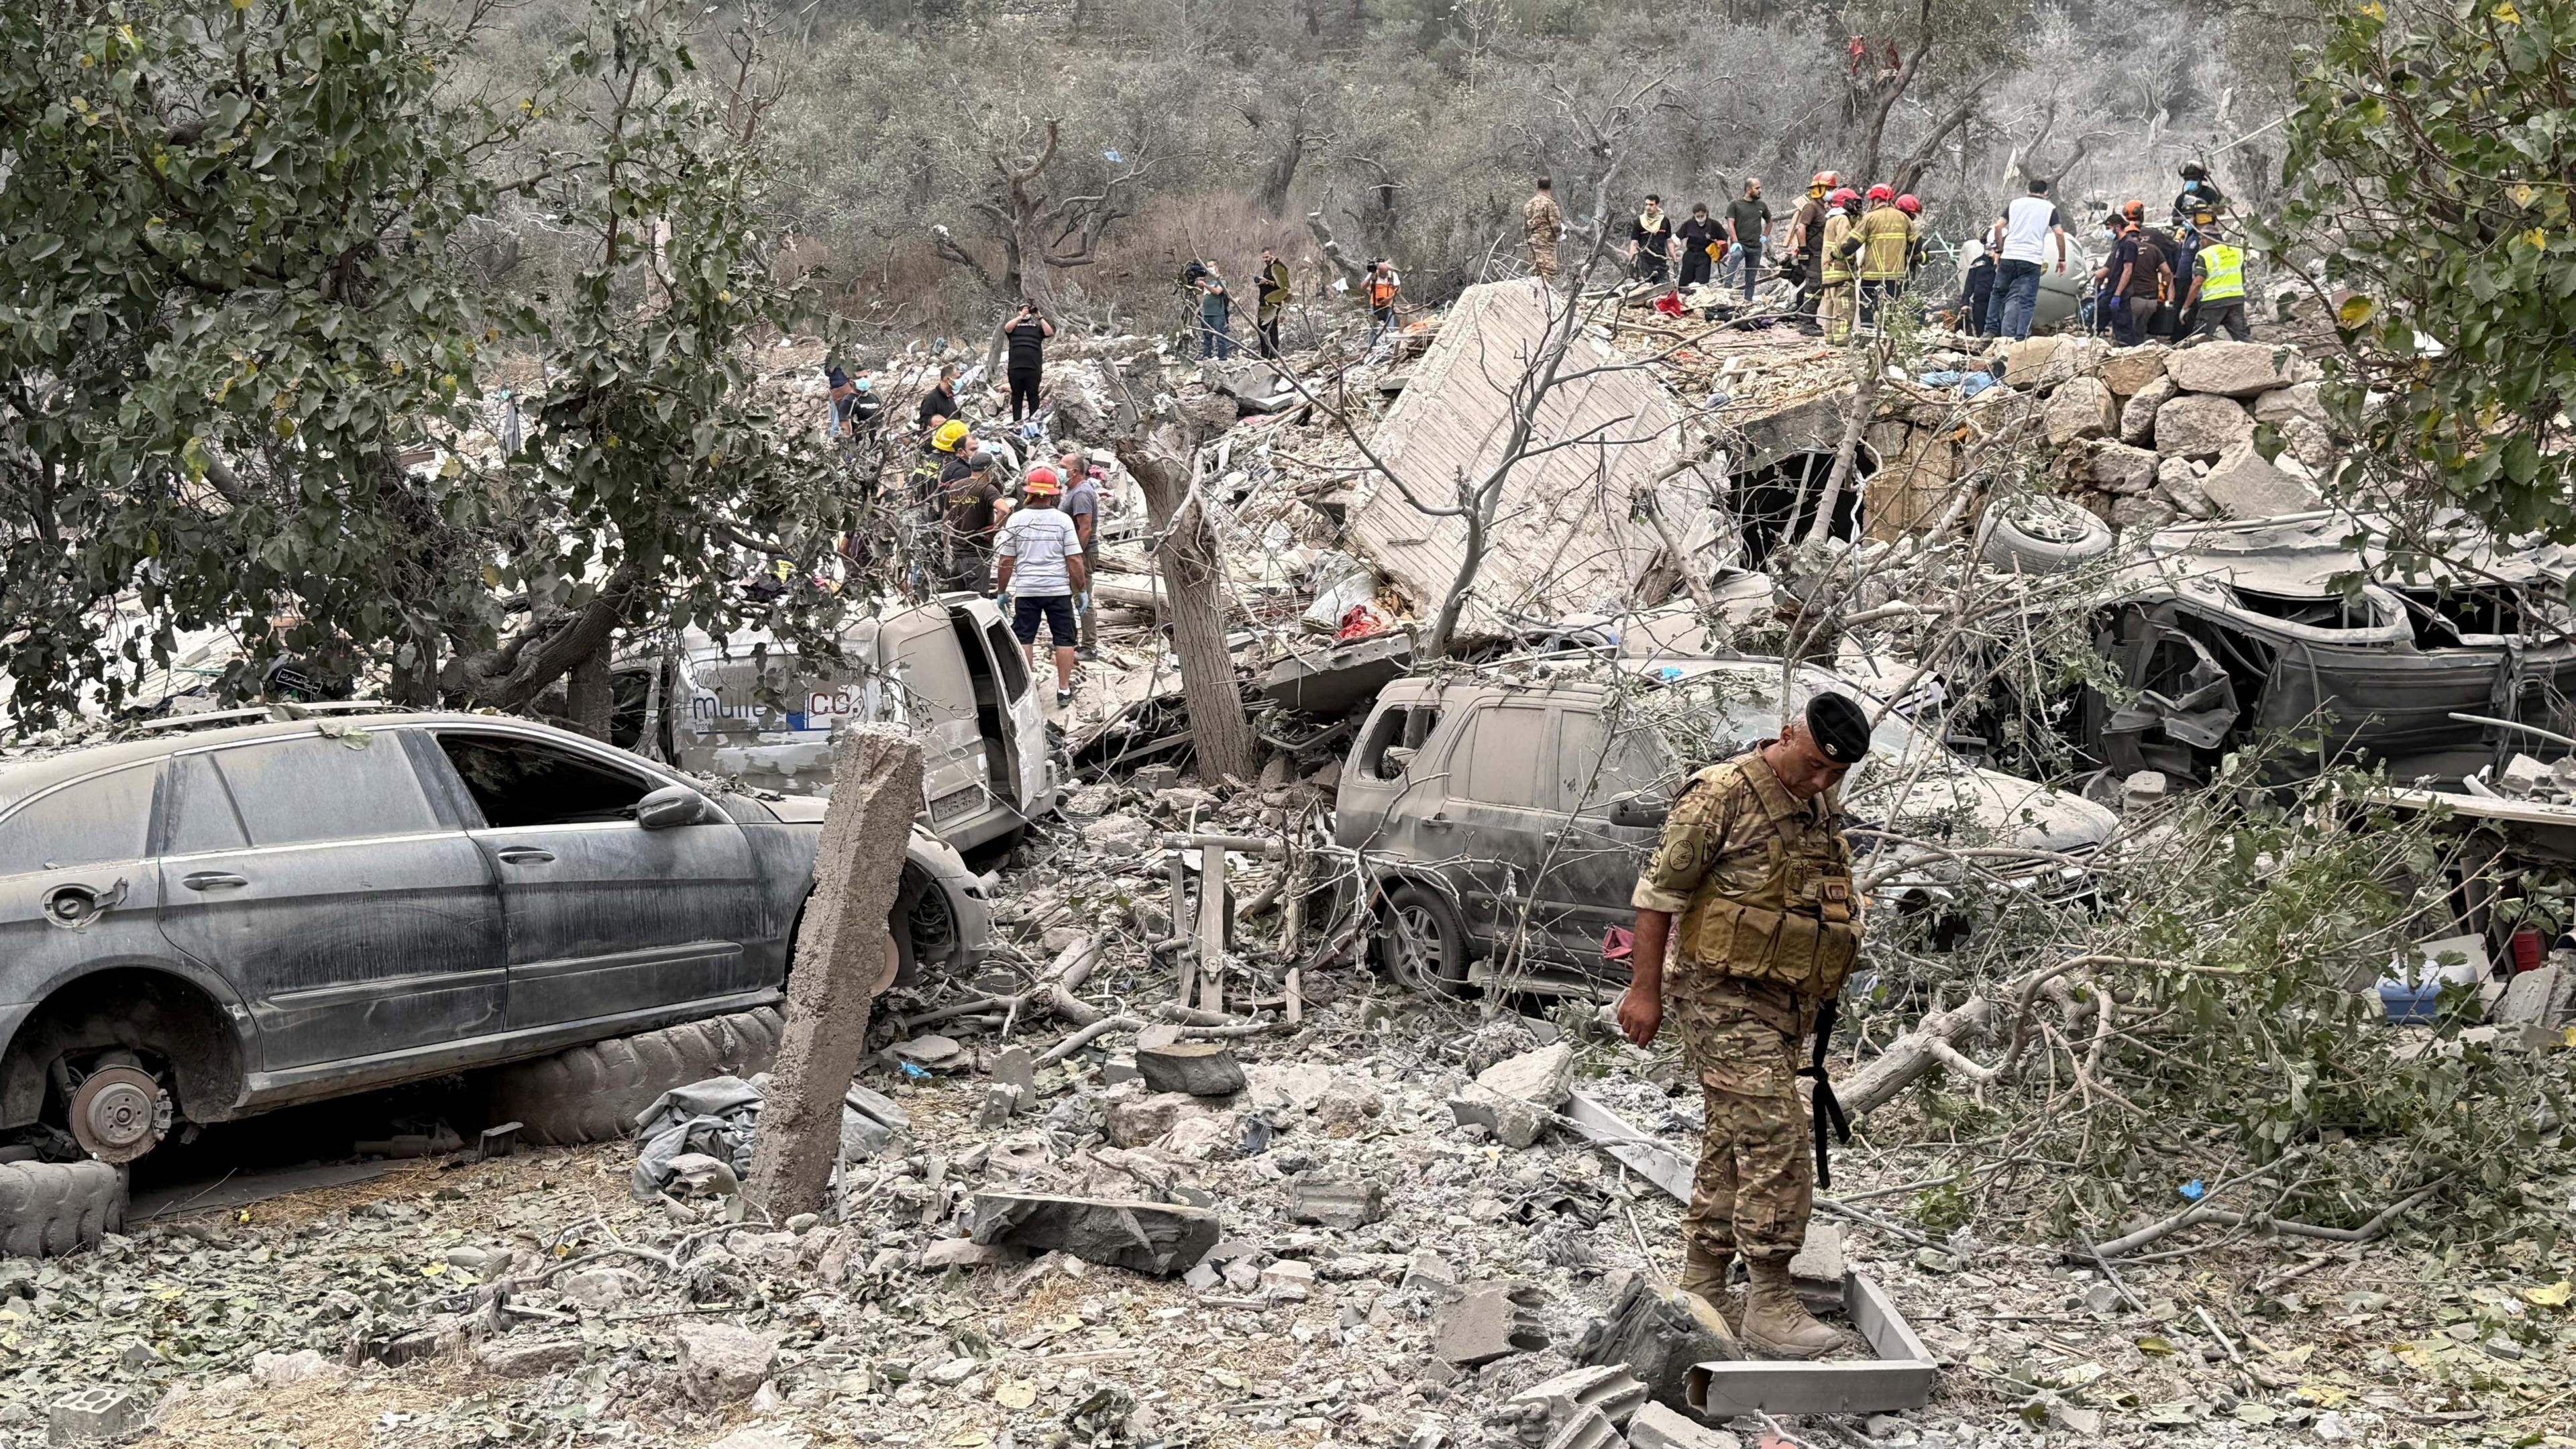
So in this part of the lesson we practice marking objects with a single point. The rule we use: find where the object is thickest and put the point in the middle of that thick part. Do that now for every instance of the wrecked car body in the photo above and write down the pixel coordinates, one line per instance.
(224, 921)
(2224, 633)
(1505, 814)
(744, 709)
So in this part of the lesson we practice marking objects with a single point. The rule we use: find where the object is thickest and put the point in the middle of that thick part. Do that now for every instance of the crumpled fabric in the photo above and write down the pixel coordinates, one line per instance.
(1966, 384)
(719, 1118)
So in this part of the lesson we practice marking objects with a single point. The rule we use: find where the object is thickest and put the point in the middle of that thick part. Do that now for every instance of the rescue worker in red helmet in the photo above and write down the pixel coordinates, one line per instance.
(1912, 206)
(1835, 257)
(1882, 242)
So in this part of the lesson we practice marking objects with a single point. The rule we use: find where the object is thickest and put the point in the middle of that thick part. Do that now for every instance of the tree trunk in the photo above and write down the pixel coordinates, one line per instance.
(1220, 733)
(588, 698)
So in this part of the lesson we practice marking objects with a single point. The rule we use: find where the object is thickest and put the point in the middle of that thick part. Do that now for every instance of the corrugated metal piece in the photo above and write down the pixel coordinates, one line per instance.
(1564, 539)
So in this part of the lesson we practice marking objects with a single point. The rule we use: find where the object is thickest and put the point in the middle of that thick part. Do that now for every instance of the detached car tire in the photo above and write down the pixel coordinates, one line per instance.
(2041, 534)
(594, 1093)
(1420, 941)
(51, 1208)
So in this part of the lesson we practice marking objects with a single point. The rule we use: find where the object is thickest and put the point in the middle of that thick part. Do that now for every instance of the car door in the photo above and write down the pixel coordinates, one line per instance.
(315, 872)
(605, 918)
(1500, 822)
(77, 886)
(1591, 876)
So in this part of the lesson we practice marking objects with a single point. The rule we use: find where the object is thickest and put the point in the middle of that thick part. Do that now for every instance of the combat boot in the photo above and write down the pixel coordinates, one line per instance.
(1776, 1324)
(1704, 1273)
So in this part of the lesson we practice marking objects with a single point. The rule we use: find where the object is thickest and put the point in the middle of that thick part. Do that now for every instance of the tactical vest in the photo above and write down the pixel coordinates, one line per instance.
(2226, 280)
(1793, 927)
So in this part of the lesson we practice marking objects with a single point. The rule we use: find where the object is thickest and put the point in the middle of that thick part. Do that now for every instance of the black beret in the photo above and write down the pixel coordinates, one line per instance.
(1839, 727)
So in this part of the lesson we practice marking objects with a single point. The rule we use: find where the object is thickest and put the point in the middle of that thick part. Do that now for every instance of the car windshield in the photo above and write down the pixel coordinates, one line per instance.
(1711, 716)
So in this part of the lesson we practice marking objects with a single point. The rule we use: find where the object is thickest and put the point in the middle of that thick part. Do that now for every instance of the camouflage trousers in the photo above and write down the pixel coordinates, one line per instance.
(1755, 1184)
(1542, 252)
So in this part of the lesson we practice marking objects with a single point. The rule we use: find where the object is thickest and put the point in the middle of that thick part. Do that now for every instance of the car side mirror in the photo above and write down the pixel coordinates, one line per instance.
(1394, 760)
(1639, 810)
(674, 805)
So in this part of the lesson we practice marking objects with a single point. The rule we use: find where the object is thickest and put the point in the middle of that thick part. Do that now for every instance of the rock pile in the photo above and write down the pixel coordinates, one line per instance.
(2145, 435)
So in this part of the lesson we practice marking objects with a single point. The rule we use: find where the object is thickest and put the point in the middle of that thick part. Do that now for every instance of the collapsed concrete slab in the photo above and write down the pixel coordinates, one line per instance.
(1567, 536)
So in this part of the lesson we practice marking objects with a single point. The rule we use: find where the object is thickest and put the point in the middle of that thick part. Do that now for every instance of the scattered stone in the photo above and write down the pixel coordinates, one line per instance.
(1658, 1333)
(1154, 779)
(1605, 1388)
(756, 1437)
(2178, 486)
(2036, 364)
(1657, 1427)
(2242, 485)
(1333, 1204)
(1488, 1322)
(1289, 1280)
(1196, 1068)
(2138, 415)
(94, 1413)
(1149, 1237)
(1136, 1121)
(1430, 1273)
(305, 1365)
(2299, 400)
(2119, 468)
(2140, 515)
(1128, 837)
(1014, 1067)
(1818, 1269)
(2545, 997)
(1509, 1120)
(721, 1363)
(1589, 1428)
(964, 1253)
(1002, 1102)
(2083, 1423)
(1347, 1105)
(2128, 371)
(2080, 408)
(2143, 789)
(2232, 369)
(2198, 426)
(532, 1359)
(597, 1289)
(932, 1053)
(138, 1355)
(1119, 1069)
(2309, 443)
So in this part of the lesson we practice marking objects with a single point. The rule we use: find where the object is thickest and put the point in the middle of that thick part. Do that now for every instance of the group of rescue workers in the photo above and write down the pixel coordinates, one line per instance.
(1850, 254)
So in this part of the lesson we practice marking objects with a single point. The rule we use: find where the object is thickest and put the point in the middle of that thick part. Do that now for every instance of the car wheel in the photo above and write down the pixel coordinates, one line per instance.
(2041, 534)
(594, 1093)
(1421, 942)
(51, 1208)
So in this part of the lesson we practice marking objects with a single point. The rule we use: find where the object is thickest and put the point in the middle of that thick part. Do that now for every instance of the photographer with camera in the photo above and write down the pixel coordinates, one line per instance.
(1023, 339)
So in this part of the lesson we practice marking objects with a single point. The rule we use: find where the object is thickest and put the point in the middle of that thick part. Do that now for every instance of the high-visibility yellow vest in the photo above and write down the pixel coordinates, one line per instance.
(2226, 279)
(1838, 268)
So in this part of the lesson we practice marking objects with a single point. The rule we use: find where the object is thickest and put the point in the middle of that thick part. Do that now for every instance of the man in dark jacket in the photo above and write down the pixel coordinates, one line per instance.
(1650, 240)
(1697, 236)
(940, 403)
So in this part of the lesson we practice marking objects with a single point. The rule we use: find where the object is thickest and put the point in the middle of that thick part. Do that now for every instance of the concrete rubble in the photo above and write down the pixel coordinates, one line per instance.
(1338, 1212)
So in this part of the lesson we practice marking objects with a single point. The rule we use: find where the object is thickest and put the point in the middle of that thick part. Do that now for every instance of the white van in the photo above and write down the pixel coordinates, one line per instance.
(743, 709)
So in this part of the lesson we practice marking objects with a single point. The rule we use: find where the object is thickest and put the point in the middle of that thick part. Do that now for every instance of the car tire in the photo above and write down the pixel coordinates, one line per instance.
(1419, 940)
(51, 1208)
(2041, 534)
(594, 1093)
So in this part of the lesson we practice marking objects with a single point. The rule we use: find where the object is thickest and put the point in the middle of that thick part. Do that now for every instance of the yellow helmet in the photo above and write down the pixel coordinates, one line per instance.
(950, 434)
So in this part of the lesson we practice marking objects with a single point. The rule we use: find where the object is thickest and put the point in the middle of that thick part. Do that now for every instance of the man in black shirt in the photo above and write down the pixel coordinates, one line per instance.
(940, 403)
(1697, 235)
(1025, 336)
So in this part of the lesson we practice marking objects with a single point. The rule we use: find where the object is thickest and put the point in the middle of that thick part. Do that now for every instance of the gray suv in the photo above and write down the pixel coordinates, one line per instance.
(1504, 813)
(204, 925)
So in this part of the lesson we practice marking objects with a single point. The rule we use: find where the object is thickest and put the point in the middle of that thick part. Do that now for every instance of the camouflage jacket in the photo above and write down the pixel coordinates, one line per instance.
(1541, 218)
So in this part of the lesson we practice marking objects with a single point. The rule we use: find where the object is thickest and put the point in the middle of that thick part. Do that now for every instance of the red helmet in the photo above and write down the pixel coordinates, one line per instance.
(1878, 194)
(1844, 197)
(1041, 480)
(1826, 179)
(1910, 204)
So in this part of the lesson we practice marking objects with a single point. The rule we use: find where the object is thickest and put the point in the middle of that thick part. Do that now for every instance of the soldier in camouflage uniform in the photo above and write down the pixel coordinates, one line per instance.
(1545, 224)
(1754, 865)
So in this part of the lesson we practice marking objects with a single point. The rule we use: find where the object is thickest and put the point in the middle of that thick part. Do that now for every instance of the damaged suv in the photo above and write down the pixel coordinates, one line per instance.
(205, 924)
(2225, 632)
(1505, 814)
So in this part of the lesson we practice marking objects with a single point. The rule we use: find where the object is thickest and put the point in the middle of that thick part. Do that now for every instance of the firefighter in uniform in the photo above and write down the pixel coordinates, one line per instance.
(1754, 865)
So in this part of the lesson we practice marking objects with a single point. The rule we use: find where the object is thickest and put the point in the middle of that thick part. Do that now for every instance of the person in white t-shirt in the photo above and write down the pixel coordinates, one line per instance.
(1042, 568)
(2032, 239)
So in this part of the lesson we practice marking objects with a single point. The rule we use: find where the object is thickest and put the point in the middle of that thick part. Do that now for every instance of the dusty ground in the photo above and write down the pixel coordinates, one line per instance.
(2385, 1344)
